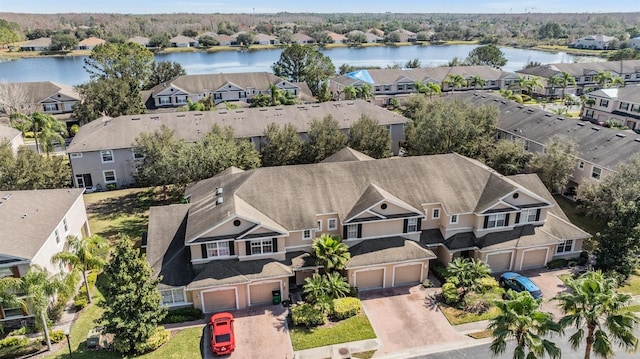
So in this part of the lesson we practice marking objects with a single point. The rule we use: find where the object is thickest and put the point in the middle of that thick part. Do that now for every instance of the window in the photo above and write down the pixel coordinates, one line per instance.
(529, 215)
(172, 296)
(76, 155)
(319, 226)
(435, 214)
(65, 225)
(306, 234)
(57, 234)
(164, 100)
(387, 88)
(137, 155)
(596, 172)
(624, 106)
(50, 107)
(218, 249)
(109, 176)
(453, 219)
(604, 103)
(12, 312)
(332, 224)
(412, 225)
(262, 246)
(5, 272)
(107, 156)
(635, 108)
(581, 165)
(181, 99)
(565, 247)
(352, 231)
(526, 145)
(589, 113)
(497, 220)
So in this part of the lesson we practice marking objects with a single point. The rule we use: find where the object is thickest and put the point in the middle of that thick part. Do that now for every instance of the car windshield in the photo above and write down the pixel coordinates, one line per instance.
(223, 338)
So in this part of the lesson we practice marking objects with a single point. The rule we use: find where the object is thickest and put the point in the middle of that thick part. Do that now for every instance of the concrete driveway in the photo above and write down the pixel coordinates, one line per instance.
(261, 332)
(405, 318)
(550, 285)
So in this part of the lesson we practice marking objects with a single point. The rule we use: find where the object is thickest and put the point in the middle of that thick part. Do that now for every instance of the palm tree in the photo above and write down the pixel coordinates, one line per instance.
(476, 81)
(521, 84)
(20, 122)
(365, 92)
(509, 95)
(532, 84)
(465, 272)
(350, 93)
(554, 81)
(49, 129)
(617, 81)
(40, 288)
(315, 287)
(603, 78)
(586, 101)
(8, 296)
(85, 254)
(330, 252)
(566, 80)
(336, 285)
(520, 319)
(454, 80)
(433, 89)
(591, 304)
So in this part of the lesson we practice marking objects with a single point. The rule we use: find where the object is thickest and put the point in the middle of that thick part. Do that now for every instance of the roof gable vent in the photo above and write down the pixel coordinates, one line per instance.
(621, 135)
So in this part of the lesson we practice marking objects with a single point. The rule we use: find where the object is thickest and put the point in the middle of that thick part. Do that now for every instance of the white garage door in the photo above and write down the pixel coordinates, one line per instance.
(533, 259)
(219, 300)
(370, 279)
(499, 262)
(407, 274)
(261, 293)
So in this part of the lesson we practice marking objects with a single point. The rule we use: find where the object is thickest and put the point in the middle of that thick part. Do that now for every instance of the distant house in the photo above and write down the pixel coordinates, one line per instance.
(35, 226)
(11, 135)
(140, 40)
(225, 40)
(41, 44)
(102, 153)
(635, 43)
(183, 41)
(46, 97)
(593, 42)
(264, 39)
(231, 87)
(337, 38)
(302, 39)
(620, 105)
(90, 43)
(370, 37)
(406, 35)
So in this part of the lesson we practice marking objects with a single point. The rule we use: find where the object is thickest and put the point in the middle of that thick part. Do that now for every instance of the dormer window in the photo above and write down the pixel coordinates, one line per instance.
(453, 219)
(496, 220)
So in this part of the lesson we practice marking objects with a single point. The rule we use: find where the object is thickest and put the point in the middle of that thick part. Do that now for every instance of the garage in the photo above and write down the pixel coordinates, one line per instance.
(218, 300)
(260, 293)
(407, 274)
(534, 258)
(499, 262)
(370, 279)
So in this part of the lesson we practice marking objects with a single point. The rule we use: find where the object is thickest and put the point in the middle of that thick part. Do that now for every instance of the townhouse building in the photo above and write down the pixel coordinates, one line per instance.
(593, 42)
(620, 105)
(45, 97)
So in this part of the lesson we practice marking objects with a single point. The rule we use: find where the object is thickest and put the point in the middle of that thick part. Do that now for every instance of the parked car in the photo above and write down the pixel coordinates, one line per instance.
(223, 340)
(519, 283)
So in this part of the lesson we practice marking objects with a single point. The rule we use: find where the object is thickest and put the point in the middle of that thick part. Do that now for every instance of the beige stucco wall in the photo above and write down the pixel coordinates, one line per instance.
(429, 222)
(242, 290)
(228, 228)
(382, 228)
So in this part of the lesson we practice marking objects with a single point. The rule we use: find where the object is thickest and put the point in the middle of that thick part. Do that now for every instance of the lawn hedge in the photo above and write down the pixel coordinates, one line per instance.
(344, 308)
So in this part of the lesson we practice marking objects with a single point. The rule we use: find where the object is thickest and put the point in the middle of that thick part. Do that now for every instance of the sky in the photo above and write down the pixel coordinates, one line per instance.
(326, 6)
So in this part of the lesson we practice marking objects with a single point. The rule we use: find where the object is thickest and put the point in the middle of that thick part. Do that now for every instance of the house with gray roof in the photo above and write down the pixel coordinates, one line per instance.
(35, 226)
(593, 42)
(584, 75)
(12, 136)
(183, 41)
(620, 105)
(39, 44)
(102, 154)
(45, 96)
(399, 83)
(140, 40)
(231, 87)
(600, 150)
(244, 234)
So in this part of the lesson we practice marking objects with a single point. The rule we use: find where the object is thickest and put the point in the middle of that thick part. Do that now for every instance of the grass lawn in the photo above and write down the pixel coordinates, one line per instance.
(481, 335)
(632, 308)
(456, 316)
(578, 217)
(348, 330)
(633, 284)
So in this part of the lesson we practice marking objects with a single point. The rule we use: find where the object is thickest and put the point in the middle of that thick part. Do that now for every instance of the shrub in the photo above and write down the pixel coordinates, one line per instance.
(92, 278)
(440, 271)
(450, 293)
(182, 315)
(21, 331)
(9, 342)
(56, 336)
(111, 186)
(476, 303)
(557, 263)
(427, 283)
(157, 339)
(344, 308)
(486, 284)
(55, 312)
(583, 259)
(305, 314)
(174, 318)
(80, 303)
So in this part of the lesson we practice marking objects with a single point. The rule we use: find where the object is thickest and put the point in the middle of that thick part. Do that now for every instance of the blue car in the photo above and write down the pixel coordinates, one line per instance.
(519, 283)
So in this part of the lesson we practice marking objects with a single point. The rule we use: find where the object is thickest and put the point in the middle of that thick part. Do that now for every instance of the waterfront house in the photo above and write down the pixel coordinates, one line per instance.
(183, 41)
(40, 44)
(89, 43)
(593, 42)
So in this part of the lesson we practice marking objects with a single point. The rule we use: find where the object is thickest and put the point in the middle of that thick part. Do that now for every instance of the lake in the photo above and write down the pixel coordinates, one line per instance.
(69, 70)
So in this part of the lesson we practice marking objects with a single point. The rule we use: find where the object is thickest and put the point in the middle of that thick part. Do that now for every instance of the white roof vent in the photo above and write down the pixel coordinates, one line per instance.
(219, 200)
(219, 191)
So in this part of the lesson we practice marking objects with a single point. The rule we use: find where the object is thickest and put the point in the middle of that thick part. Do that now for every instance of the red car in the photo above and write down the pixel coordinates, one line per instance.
(223, 340)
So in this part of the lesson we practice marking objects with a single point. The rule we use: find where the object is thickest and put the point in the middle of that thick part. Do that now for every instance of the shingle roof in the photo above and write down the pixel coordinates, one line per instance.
(39, 42)
(626, 94)
(140, 40)
(121, 132)
(8, 133)
(229, 272)
(180, 39)
(347, 154)
(579, 69)
(385, 251)
(91, 41)
(438, 74)
(199, 84)
(602, 146)
(28, 218)
(38, 91)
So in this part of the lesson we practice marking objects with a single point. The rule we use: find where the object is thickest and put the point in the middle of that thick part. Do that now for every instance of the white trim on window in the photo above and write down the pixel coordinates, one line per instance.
(76, 155)
(307, 234)
(565, 247)
(174, 296)
(497, 220)
(330, 226)
(581, 165)
(108, 181)
(65, 225)
(352, 231)
(108, 154)
(412, 225)
(435, 213)
(319, 227)
(528, 215)
(261, 246)
(219, 249)
(596, 172)
(56, 234)
(453, 219)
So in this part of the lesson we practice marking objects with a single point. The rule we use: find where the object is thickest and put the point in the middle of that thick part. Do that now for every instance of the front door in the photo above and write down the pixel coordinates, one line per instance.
(84, 180)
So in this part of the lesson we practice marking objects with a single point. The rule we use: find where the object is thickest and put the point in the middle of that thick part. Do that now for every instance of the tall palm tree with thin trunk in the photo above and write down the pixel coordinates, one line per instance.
(593, 308)
(553, 82)
(365, 92)
(48, 129)
(350, 92)
(567, 80)
(330, 252)
(521, 320)
(532, 84)
(520, 84)
(454, 80)
(603, 78)
(85, 254)
(433, 89)
(476, 80)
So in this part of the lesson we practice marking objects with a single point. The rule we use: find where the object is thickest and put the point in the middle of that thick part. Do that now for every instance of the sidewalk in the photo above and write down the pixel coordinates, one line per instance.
(334, 351)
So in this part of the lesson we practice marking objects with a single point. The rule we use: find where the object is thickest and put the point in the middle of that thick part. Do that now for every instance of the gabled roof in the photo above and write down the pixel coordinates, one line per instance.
(39, 42)
(28, 218)
(439, 74)
(140, 40)
(121, 132)
(229, 272)
(578, 69)
(36, 92)
(347, 154)
(298, 36)
(385, 251)
(8, 133)
(91, 41)
(181, 39)
(371, 197)
(629, 94)
(206, 83)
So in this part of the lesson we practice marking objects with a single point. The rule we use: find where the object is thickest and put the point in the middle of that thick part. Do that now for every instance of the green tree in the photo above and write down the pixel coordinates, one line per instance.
(555, 166)
(413, 64)
(21, 122)
(132, 304)
(489, 55)
(365, 92)
(283, 145)
(245, 39)
(164, 71)
(369, 137)
(84, 254)
(28, 170)
(476, 81)
(455, 80)
(593, 308)
(300, 63)
(337, 285)
(350, 93)
(624, 54)
(554, 81)
(508, 157)
(207, 41)
(566, 81)
(109, 97)
(9, 297)
(9, 32)
(40, 288)
(521, 320)
(440, 126)
(464, 273)
(603, 78)
(158, 166)
(325, 139)
(63, 42)
(128, 62)
(49, 130)
(160, 41)
(320, 288)
(330, 252)
(510, 95)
